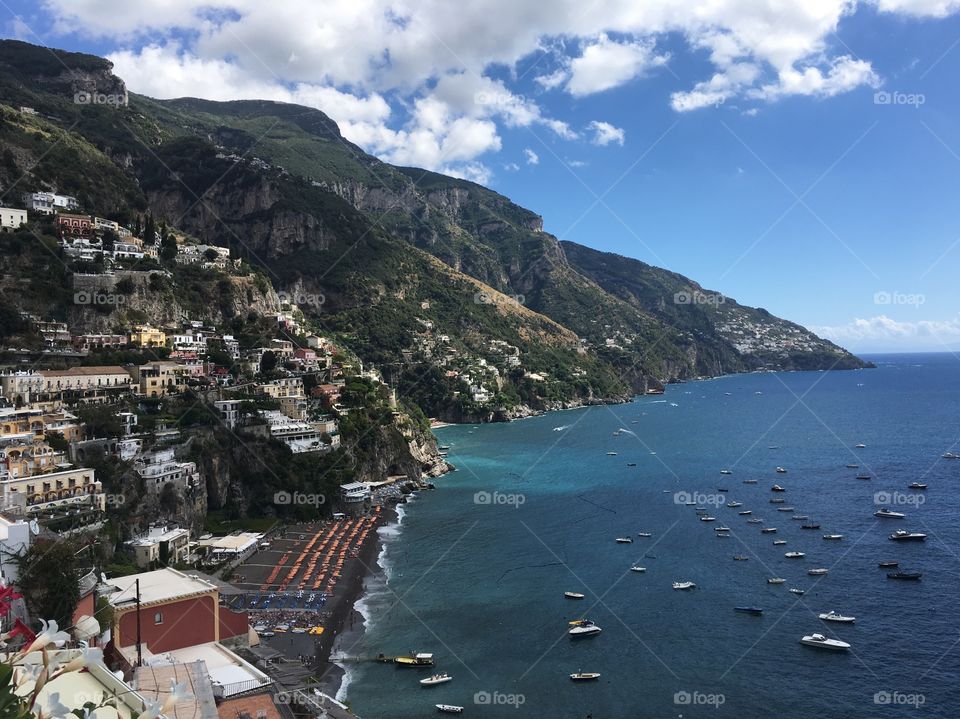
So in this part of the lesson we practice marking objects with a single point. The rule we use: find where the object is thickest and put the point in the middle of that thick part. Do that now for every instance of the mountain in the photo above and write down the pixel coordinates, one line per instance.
(424, 275)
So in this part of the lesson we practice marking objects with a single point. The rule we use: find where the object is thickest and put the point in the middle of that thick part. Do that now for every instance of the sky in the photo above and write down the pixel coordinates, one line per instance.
(799, 156)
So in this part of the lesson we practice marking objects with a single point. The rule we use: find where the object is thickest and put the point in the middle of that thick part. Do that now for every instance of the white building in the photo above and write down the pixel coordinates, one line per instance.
(230, 409)
(47, 202)
(12, 218)
(298, 435)
(14, 539)
(160, 468)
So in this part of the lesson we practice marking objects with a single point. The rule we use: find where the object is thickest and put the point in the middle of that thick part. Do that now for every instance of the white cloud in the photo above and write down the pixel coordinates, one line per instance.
(605, 64)
(531, 157)
(843, 75)
(882, 332)
(604, 133)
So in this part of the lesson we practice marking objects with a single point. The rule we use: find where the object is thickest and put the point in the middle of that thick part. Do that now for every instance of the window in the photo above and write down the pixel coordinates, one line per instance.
(158, 618)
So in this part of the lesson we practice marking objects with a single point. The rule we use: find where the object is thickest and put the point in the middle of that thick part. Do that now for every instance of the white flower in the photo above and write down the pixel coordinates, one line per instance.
(178, 693)
(88, 656)
(49, 634)
(151, 709)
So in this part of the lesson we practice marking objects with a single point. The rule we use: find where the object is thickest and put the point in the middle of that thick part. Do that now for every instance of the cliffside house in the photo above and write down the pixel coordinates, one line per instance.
(11, 218)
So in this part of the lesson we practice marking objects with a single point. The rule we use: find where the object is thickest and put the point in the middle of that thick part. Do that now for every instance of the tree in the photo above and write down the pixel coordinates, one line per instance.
(109, 239)
(149, 231)
(48, 581)
(268, 361)
(168, 247)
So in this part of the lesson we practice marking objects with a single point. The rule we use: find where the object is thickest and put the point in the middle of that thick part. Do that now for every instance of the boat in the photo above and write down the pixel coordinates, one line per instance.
(835, 537)
(776, 580)
(443, 447)
(917, 485)
(779, 542)
(781, 470)
(853, 466)
(624, 540)
(611, 454)
(902, 535)
(745, 512)
(777, 488)
(950, 455)
(684, 585)
(583, 628)
(817, 572)
(631, 464)
(889, 513)
(904, 575)
(449, 709)
(777, 500)
(863, 475)
(749, 481)
(726, 471)
(708, 519)
(644, 534)
(722, 489)
(414, 659)
(795, 555)
(798, 592)
(436, 679)
(585, 676)
(749, 610)
(821, 642)
(740, 558)
(860, 446)
(888, 565)
(734, 505)
(755, 520)
(800, 517)
(636, 568)
(573, 595)
(809, 526)
(786, 509)
(768, 530)
(832, 616)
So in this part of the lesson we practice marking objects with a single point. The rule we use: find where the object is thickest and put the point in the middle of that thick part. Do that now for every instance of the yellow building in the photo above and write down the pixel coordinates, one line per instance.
(146, 336)
(161, 378)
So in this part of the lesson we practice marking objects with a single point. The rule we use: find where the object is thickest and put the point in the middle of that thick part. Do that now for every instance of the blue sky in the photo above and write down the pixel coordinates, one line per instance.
(803, 160)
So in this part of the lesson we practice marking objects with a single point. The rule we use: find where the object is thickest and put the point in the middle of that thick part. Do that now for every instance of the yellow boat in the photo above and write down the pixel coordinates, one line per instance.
(417, 659)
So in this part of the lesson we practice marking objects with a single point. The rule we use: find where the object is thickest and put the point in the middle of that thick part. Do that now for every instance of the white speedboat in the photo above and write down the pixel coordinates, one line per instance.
(745, 512)
(573, 595)
(449, 709)
(888, 513)
(832, 616)
(585, 676)
(624, 540)
(749, 481)
(637, 568)
(644, 534)
(726, 471)
(776, 580)
(755, 520)
(800, 517)
(819, 572)
(684, 585)
(834, 537)
(436, 679)
(721, 529)
(781, 470)
(798, 592)
(708, 519)
(582, 629)
(822, 642)
(734, 505)
(779, 542)
(902, 535)
(777, 488)
(786, 509)
(860, 446)
(795, 555)
(768, 530)
(950, 455)
(611, 454)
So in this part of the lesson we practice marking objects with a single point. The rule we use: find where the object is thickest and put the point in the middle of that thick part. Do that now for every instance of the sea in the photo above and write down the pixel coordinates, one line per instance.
(475, 571)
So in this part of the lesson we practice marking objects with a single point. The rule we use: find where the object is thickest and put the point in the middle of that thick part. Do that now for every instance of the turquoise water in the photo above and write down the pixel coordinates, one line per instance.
(481, 584)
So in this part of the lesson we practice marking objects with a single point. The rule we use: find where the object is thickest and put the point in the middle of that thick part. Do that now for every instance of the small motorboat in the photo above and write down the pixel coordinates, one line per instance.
(749, 481)
(888, 565)
(611, 454)
(902, 535)
(734, 505)
(786, 509)
(644, 534)
(722, 489)
(436, 679)
(755, 520)
(740, 558)
(726, 471)
(631, 464)
(833, 616)
(745, 512)
(684, 585)
(449, 709)
(863, 475)
(585, 676)
(833, 537)
(777, 501)
(721, 529)
(853, 466)
(768, 530)
(821, 642)
(950, 455)
(708, 519)
(817, 572)
(798, 592)
(860, 446)
(795, 555)
(779, 542)
(749, 610)
(624, 540)
(800, 517)
(888, 513)
(573, 595)
(583, 628)
(777, 488)
(904, 575)
(637, 568)
(781, 470)
(776, 580)
(917, 485)
(809, 526)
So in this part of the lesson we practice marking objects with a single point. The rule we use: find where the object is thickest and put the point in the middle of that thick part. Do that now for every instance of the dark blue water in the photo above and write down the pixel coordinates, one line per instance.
(480, 581)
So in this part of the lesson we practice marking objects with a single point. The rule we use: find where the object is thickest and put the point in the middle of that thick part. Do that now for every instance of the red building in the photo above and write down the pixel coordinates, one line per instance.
(75, 226)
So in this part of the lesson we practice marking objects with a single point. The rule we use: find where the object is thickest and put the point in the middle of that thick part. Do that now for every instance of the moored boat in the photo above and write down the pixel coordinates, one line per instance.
(684, 585)
(795, 555)
(798, 592)
(436, 679)
(819, 572)
(573, 595)
(583, 628)
(749, 610)
(834, 537)
(776, 580)
(887, 565)
(584, 676)
(821, 642)
(904, 575)
(624, 540)
(917, 485)
(902, 535)
(833, 616)
(414, 659)
(449, 709)
(888, 513)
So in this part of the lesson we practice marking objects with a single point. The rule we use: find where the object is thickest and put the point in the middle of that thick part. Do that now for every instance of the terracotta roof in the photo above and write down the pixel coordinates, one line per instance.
(83, 371)
(249, 707)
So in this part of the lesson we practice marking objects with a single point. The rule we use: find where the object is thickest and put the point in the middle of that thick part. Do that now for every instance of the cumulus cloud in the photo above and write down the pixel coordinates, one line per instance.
(883, 332)
(604, 133)
(413, 80)
(531, 157)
